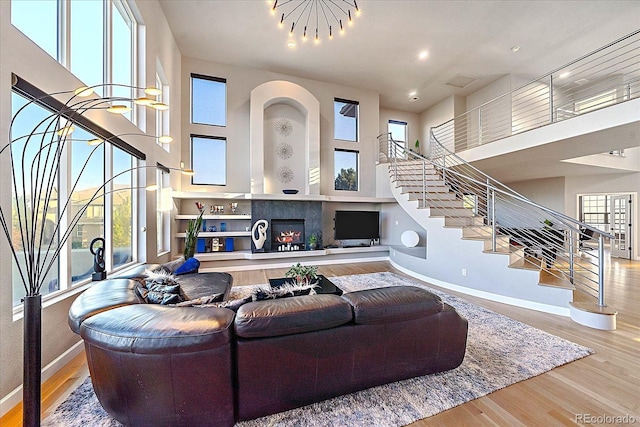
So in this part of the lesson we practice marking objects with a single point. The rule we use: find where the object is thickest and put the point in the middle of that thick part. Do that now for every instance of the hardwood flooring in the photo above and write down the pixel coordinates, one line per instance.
(606, 384)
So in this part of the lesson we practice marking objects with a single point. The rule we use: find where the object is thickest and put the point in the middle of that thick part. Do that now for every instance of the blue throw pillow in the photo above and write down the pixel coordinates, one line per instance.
(189, 266)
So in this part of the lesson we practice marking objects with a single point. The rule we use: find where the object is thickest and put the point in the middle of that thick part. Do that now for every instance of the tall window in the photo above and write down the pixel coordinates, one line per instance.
(163, 209)
(122, 217)
(95, 40)
(594, 210)
(345, 119)
(209, 160)
(81, 177)
(208, 100)
(346, 170)
(162, 116)
(38, 20)
(398, 131)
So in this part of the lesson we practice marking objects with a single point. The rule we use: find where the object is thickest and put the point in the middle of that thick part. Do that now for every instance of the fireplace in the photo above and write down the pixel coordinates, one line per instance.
(287, 235)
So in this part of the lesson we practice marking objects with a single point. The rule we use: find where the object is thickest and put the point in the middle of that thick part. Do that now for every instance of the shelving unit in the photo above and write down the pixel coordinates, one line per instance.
(237, 225)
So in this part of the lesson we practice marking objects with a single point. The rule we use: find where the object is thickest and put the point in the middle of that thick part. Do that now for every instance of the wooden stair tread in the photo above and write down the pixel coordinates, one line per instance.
(593, 307)
(555, 279)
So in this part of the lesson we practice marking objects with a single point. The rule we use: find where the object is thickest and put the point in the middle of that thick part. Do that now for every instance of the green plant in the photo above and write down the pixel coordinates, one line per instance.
(303, 274)
(417, 144)
(191, 236)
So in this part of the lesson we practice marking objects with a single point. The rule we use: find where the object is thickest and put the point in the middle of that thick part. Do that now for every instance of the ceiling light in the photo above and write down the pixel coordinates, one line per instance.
(95, 141)
(66, 130)
(144, 101)
(414, 98)
(413, 93)
(319, 17)
(564, 75)
(514, 49)
(291, 43)
(165, 139)
(423, 55)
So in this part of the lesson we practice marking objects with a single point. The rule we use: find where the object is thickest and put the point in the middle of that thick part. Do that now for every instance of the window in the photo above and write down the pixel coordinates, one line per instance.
(594, 210)
(346, 170)
(208, 100)
(398, 131)
(345, 120)
(38, 20)
(209, 160)
(83, 175)
(596, 102)
(95, 40)
(122, 217)
(163, 209)
(162, 116)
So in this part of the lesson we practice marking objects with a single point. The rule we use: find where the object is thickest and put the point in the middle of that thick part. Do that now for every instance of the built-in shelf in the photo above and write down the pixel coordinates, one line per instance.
(212, 216)
(219, 234)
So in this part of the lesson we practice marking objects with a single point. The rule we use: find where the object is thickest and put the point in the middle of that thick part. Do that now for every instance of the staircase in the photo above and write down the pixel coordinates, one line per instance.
(453, 200)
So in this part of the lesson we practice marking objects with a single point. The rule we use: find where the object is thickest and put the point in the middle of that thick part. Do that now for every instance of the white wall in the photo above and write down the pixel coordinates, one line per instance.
(21, 56)
(240, 82)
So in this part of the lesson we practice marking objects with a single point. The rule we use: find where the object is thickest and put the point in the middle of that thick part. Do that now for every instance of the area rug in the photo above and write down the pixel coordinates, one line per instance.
(500, 352)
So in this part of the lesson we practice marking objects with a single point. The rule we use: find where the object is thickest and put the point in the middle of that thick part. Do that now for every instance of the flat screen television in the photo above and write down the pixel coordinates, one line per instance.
(357, 225)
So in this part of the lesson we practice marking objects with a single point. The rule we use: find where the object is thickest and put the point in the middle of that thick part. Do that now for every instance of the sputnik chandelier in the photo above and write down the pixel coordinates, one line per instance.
(317, 19)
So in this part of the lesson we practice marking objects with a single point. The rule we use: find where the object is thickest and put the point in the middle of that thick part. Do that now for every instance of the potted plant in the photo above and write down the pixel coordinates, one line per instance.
(191, 236)
(302, 274)
(417, 145)
(313, 242)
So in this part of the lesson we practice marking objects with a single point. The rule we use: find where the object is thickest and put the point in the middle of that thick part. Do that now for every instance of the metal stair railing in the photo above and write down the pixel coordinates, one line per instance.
(496, 213)
(604, 77)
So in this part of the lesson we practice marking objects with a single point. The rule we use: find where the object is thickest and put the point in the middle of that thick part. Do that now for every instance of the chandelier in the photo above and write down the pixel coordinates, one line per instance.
(317, 19)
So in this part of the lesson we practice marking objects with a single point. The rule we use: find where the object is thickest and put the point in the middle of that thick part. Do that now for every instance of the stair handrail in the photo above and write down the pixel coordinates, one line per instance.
(493, 188)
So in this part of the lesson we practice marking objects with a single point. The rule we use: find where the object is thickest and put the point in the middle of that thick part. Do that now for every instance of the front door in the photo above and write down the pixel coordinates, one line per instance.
(620, 219)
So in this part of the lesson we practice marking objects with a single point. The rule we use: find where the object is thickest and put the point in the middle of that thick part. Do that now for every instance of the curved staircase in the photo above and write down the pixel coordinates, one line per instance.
(498, 235)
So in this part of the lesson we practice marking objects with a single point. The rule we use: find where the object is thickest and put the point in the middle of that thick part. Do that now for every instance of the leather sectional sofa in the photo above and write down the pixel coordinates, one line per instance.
(183, 366)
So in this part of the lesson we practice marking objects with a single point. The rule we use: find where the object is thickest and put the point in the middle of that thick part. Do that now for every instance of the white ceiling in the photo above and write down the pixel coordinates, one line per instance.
(380, 52)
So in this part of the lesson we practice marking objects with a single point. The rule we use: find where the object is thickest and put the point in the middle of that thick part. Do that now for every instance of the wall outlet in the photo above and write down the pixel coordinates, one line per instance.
(396, 222)
(464, 272)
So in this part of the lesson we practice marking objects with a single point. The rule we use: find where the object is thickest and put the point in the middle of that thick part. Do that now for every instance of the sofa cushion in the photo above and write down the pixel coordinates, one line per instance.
(270, 318)
(156, 329)
(392, 304)
(100, 297)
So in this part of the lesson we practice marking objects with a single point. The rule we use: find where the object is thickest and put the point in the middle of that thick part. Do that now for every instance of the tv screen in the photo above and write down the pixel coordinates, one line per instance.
(357, 225)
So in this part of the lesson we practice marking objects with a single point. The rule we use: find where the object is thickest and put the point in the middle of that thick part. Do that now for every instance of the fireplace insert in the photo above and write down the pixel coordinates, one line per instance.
(287, 235)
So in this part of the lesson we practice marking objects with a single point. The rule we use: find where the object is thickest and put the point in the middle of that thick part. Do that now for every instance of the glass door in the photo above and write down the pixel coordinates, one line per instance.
(620, 217)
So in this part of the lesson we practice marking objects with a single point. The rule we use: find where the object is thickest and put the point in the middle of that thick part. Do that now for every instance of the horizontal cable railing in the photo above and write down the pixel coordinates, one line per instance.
(537, 236)
(604, 77)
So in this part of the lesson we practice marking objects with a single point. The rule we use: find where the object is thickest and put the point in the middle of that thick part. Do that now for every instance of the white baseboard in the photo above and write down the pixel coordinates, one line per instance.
(9, 401)
(546, 308)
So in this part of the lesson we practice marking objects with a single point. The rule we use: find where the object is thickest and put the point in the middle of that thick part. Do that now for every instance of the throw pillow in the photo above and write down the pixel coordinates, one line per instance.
(172, 266)
(161, 287)
(189, 266)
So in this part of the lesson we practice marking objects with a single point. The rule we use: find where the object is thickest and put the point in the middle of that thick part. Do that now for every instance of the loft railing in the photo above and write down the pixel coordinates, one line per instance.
(604, 77)
(538, 236)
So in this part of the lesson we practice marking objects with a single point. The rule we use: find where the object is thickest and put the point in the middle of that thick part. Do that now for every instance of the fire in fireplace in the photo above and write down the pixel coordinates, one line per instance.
(287, 235)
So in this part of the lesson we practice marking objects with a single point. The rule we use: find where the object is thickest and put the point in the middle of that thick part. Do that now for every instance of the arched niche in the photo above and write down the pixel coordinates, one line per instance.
(291, 96)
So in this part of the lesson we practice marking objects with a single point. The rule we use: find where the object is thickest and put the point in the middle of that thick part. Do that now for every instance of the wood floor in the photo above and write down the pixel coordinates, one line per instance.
(604, 384)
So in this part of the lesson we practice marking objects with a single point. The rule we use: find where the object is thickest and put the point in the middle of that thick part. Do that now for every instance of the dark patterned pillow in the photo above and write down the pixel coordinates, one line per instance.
(160, 287)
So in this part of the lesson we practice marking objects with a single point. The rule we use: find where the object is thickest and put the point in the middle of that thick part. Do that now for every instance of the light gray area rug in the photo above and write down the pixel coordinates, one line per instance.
(500, 352)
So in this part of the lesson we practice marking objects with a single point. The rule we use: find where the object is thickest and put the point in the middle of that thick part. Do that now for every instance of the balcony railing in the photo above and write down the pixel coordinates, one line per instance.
(604, 77)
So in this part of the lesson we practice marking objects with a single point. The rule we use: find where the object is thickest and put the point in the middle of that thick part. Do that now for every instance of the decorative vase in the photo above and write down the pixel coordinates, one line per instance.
(32, 360)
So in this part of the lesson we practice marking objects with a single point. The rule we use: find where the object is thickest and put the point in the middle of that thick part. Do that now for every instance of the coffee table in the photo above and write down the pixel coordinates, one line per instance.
(326, 286)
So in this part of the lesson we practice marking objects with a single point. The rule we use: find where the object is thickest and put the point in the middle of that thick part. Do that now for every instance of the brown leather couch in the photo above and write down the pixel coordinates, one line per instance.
(183, 366)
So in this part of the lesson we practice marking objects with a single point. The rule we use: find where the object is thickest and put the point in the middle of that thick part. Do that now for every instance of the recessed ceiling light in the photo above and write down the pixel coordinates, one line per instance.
(564, 75)
(515, 49)
(423, 55)
(291, 43)
(413, 99)
(413, 93)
